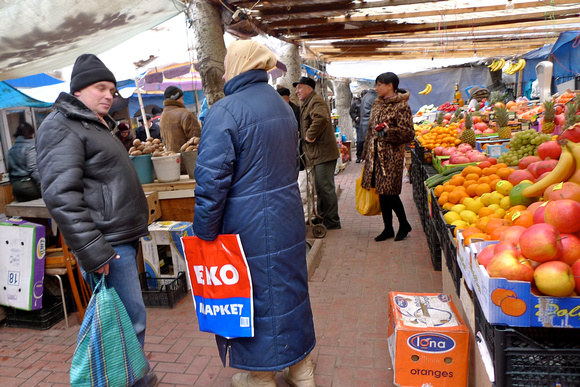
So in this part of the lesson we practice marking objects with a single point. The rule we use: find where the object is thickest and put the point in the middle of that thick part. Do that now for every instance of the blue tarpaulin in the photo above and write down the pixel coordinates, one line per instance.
(37, 80)
(564, 54)
(10, 97)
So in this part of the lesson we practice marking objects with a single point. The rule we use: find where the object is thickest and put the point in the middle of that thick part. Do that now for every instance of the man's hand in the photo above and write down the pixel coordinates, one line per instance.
(309, 140)
(105, 269)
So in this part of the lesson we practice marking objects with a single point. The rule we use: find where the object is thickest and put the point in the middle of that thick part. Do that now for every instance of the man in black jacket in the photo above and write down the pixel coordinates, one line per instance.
(91, 188)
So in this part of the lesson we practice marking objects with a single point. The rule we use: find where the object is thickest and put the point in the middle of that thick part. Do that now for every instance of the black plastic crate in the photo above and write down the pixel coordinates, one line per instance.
(449, 249)
(163, 292)
(425, 154)
(434, 246)
(531, 357)
(52, 312)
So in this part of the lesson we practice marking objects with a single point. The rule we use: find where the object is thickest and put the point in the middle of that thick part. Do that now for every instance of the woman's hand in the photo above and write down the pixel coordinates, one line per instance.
(380, 129)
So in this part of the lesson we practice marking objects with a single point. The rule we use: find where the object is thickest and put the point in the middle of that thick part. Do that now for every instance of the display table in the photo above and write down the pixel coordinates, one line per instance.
(177, 199)
(5, 195)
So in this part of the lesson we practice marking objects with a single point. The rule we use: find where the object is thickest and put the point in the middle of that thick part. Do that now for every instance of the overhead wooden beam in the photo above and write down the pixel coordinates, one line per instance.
(432, 45)
(332, 31)
(290, 19)
(447, 54)
(556, 26)
(284, 7)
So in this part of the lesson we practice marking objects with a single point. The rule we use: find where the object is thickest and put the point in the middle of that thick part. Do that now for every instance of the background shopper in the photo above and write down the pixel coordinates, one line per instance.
(320, 149)
(246, 175)
(390, 128)
(22, 170)
(91, 188)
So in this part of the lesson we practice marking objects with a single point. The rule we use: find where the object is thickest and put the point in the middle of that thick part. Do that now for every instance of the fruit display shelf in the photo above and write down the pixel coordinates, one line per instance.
(531, 356)
(444, 233)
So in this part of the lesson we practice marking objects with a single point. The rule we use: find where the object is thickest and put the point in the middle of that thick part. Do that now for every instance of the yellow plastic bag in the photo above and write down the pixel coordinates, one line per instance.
(367, 201)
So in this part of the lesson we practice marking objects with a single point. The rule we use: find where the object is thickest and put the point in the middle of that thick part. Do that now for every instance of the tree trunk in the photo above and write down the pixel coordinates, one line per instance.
(210, 47)
(343, 98)
(290, 56)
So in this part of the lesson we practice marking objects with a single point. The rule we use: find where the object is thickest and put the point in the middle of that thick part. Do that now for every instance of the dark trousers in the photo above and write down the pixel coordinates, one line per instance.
(390, 203)
(25, 190)
(327, 201)
(359, 149)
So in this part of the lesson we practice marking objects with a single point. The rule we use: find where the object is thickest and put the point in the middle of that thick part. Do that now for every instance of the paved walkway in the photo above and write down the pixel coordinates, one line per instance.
(349, 293)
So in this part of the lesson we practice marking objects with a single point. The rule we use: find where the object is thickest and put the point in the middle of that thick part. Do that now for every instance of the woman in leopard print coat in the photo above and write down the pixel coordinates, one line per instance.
(390, 128)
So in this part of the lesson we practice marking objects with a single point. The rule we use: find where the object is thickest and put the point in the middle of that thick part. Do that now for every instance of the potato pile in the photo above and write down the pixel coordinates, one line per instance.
(190, 145)
(152, 146)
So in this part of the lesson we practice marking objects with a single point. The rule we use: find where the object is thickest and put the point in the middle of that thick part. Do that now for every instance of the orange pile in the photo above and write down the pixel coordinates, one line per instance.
(472, 182)
(445, 136)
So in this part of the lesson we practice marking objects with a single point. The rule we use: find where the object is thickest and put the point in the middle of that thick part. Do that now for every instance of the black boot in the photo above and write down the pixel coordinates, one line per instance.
(386, 234)
(404, 226)
(387, 213)
(404, 230)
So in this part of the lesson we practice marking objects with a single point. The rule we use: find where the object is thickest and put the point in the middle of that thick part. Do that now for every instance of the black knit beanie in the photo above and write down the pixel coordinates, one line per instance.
(89, 69)
(173, 93)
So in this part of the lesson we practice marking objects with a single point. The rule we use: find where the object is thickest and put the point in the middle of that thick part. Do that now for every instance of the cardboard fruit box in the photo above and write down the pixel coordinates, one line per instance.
(428, 341)
(464, 260)
(163, 255)
(513, 303)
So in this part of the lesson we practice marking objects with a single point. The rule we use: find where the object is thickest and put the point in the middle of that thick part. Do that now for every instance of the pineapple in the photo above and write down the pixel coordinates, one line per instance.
(501, 120)
(549, 115)
(495, 97)
(468, 135)
(440, 117)
(571, 117)
(457, 115)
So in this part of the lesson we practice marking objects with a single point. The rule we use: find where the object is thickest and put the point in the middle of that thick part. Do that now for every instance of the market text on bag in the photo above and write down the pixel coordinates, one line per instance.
(221, 309)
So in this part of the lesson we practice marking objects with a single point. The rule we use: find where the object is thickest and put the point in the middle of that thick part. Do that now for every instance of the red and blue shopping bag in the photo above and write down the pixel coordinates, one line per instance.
(221, 285)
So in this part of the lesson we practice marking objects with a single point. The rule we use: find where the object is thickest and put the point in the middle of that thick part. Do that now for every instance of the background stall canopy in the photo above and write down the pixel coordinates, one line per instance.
(182, 75)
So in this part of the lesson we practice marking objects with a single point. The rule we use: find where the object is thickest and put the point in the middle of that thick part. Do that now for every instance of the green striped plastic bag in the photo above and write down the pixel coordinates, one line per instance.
(107, 351)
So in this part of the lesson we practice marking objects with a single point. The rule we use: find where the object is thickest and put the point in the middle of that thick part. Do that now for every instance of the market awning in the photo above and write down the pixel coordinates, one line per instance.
(40, 36)
(14, 98)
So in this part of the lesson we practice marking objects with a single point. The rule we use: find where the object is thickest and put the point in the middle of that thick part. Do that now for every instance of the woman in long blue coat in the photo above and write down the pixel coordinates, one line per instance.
(246, 176)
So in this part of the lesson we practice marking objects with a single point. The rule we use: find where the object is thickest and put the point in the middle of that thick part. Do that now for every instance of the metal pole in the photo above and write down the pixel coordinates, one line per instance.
(143, 115)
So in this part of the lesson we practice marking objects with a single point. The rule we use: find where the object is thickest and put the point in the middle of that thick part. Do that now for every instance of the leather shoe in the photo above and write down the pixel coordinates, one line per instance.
(358, 161)
(404, 230)
(151, 379)
(333, 227)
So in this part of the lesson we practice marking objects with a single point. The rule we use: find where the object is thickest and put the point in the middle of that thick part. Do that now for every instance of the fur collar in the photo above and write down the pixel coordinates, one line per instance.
(74, 109)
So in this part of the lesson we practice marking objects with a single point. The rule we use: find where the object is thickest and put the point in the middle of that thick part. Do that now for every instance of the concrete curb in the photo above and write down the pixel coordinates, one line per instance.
(314, 256)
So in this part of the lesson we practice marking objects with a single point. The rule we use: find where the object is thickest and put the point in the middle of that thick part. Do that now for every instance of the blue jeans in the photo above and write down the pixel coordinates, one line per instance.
(124, 277)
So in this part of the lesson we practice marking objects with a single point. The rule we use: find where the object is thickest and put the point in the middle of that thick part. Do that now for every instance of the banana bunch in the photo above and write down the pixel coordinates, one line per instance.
(514, 67)
(427, 89)
(568, 164)
(496, 65)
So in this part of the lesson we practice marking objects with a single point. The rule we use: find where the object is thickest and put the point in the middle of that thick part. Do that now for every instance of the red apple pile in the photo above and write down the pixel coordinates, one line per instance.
(546, 253)
(534, 168)
(462, 154)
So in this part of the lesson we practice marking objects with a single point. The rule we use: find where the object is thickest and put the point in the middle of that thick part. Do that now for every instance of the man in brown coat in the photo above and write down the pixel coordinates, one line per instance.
(320, 149)
(177, 123)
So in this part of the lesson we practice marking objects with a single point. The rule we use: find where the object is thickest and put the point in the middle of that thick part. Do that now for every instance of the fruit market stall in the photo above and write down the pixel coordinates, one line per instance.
(507, 231)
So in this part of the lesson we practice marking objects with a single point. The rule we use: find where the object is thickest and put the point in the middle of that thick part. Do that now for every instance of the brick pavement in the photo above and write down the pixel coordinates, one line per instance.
(349, 293)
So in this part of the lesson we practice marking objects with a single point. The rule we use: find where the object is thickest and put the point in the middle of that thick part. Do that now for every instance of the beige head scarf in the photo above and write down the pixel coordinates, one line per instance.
(246, 55)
